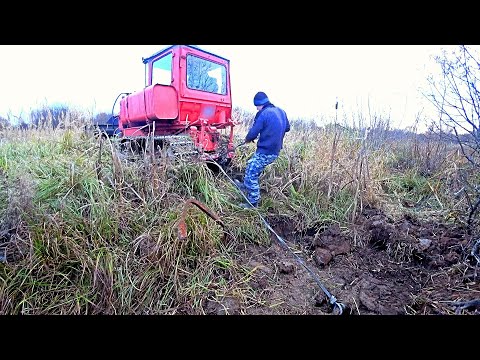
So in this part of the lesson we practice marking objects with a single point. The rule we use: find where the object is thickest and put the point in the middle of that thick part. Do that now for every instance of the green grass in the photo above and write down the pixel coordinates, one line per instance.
(88, 232)
(408, 186)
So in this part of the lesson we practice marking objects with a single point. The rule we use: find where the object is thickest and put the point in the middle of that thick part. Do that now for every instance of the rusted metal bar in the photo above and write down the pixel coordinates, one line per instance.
(182, 226)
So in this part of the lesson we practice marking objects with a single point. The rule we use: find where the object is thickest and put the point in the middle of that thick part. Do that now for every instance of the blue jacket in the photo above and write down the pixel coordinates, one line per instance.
(271, 123)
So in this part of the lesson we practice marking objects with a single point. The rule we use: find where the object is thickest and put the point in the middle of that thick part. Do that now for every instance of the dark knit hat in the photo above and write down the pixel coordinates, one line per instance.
(260, 99)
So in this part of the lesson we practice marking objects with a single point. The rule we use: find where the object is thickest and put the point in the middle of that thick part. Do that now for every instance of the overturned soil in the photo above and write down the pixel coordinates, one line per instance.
(379, 266)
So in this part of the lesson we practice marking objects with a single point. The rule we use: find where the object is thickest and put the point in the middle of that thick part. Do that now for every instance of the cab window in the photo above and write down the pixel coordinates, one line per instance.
(162, 70)
(205, 75)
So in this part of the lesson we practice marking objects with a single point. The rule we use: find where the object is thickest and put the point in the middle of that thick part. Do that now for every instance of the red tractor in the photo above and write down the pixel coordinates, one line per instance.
(185, 107)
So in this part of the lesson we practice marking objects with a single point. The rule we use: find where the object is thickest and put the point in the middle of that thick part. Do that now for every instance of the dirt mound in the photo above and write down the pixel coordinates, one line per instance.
(378, 266)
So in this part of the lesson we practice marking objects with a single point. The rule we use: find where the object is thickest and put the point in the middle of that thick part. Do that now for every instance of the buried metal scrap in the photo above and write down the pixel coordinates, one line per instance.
(182, 225)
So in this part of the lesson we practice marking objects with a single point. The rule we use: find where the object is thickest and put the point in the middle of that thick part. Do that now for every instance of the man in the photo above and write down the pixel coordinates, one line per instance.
(270, 125)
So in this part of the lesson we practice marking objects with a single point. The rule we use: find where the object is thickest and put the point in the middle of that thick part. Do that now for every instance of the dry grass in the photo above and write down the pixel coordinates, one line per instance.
(85, 231)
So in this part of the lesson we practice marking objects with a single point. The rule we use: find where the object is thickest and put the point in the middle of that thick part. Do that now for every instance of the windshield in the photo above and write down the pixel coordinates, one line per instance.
(205, 75)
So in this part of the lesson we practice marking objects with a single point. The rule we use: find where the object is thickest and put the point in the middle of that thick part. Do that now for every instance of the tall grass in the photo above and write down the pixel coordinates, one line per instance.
(86, 231)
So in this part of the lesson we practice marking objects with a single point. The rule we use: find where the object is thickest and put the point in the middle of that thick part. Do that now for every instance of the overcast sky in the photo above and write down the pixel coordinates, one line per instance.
(305, 80)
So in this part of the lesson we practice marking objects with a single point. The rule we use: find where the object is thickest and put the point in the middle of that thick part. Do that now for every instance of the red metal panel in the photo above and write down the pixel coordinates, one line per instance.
(156, 102)
(187, 94)
(161, 102)
(135, 107)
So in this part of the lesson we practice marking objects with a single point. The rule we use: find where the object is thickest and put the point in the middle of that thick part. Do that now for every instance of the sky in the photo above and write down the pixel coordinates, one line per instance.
(305, 80)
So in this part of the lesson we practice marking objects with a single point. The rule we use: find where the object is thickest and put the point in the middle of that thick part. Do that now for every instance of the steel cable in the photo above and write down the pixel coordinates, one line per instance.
(332, 300)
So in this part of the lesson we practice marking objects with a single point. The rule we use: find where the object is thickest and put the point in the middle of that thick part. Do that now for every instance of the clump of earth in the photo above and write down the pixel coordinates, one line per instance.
(379, 266)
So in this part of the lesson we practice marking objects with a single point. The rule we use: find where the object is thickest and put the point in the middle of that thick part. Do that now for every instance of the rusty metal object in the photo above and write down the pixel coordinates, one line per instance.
(182, 226)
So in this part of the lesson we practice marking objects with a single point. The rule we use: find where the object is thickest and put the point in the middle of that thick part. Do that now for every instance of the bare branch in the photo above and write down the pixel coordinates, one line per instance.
(454, 94)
